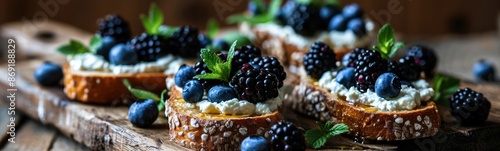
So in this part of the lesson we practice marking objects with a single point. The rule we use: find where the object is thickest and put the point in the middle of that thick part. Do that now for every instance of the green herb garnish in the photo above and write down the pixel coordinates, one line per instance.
(318, 137)
(143, 94)
(387, 45)
(319, 2)
(262, 18)
(95, 42)
(73, 48)
(154, 20)
(444, 87)
(212, 28)
(220, 70)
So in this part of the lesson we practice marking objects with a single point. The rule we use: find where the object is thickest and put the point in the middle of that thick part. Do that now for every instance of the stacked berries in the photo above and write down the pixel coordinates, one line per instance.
(369, 66)
(256, 79)
(306, 18)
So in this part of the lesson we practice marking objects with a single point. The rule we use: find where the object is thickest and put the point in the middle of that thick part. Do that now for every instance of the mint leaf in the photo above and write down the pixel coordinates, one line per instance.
(220, 70)
(166, 31)
(211, 76)
(395, 49)
(212, 28)
(236, 36)
(211, 60)
(444, 87)
(141, 94)
(262, 18)
(260, 5)
(230, 53)
(161, 104)
(95, 42)
(317, 138)
(73, 48)
(152, 22)
(334, 3)
(387, 45)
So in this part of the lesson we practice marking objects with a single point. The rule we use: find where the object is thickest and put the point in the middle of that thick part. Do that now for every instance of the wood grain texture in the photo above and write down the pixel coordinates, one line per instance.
(5, 121)
(108, 128)
(32, 136)
(63, 143)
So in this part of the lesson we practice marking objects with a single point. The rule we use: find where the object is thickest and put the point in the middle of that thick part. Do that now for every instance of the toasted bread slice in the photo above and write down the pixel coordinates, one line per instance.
(108, 88)
(365, 121)
(199, 131)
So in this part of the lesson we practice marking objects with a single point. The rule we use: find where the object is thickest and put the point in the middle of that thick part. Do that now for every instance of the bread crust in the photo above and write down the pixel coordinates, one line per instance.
(207, 134)
(374, 125)
(107, 88)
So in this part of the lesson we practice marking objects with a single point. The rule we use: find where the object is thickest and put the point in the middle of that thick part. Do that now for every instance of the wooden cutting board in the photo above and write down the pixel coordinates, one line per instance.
(108, 128)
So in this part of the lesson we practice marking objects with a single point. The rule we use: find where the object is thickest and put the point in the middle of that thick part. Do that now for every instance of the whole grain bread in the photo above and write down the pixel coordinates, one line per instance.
(193, 130)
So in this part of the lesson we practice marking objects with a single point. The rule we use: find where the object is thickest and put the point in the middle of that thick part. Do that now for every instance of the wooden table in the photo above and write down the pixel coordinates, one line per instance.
(49, 121)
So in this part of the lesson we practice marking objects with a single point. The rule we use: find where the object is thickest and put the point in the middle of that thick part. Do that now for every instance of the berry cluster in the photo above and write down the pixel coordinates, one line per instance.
(285, 136)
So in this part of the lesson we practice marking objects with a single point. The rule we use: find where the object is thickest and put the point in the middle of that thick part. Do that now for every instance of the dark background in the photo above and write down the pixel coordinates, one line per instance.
(416, 18)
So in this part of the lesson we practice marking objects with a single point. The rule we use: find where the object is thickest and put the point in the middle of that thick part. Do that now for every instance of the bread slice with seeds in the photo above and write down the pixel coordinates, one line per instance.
(206, 132)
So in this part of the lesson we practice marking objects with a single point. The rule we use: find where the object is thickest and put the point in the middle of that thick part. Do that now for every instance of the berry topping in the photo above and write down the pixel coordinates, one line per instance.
(143, 113)
(221, 44)
(201, 68)
(286, 11)
(326, 13)
(122, 54)
(244, 55)
(48, 74)
(483, 70)
(192, 91)
(352, 10)
(469, 107)
(288, 137)
(425, 57)
(319, 59)
(349, 60)
(149, 47)
(369, 66)
(185, 42)
(255, 85)
(406, 69)
(357, 25)
(104, 49)
(338, 23)
(114, 26)
(304, 19)
(255, 143)
(183, 75)
(272, 65)
(388, 85)
(204, 40)
(346, 77)
(221, 93)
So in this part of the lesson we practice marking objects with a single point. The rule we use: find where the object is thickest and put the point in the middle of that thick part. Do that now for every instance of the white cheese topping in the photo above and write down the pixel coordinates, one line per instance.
(236, 107)
(344, 39)
(408, 98)
(93, 62)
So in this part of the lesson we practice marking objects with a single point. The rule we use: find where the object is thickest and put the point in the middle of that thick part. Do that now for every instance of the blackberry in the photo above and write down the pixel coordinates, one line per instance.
(201, 68)
(304, 19)
(469, 106)
(149, 47)
(185, 42)
(406, 69)
(319, 59)
(116, 27)
(255, 85)
(272, 65)
(244, 55)
(287, 137)
(285, 12)
(369, 65)
(425, 57)
(353, 56)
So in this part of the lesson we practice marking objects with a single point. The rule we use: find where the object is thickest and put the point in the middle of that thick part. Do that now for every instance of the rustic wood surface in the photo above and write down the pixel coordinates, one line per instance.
(108, 128)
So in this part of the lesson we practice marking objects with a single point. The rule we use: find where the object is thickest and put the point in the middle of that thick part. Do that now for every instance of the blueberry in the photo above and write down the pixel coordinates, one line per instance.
(223, 45)
(326, 13)
(338, 23)
(484, 70)
(357, 25)
(346, 77)
(255, 143)
(388, 85)
(285, 12)
(184, 74)
(254, 9)
(48, 74)
(352, 10)
(107, 43)
(192, 91)
(221, 93)
(345, 59)
(204, 40)
(143, 113)
(122, 54)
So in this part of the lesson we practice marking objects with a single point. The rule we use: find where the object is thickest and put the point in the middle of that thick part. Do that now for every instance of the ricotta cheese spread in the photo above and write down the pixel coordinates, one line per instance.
(236, 107)
(408, 99)
(338, 39)
(92, 62)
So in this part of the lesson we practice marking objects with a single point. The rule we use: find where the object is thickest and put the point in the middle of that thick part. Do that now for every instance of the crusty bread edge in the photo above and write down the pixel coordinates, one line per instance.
(316, 102)
(107, 88)
(214, 134)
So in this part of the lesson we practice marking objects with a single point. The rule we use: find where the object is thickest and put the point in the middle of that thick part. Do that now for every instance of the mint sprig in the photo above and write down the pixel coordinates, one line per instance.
(262, 18)
(212, 28)
(387, 45)
(73, 48)
(220, 70)
(95, 42)
(318, 137)
(444, 86)
(152, 21)
(236, 36)
(143, 94)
